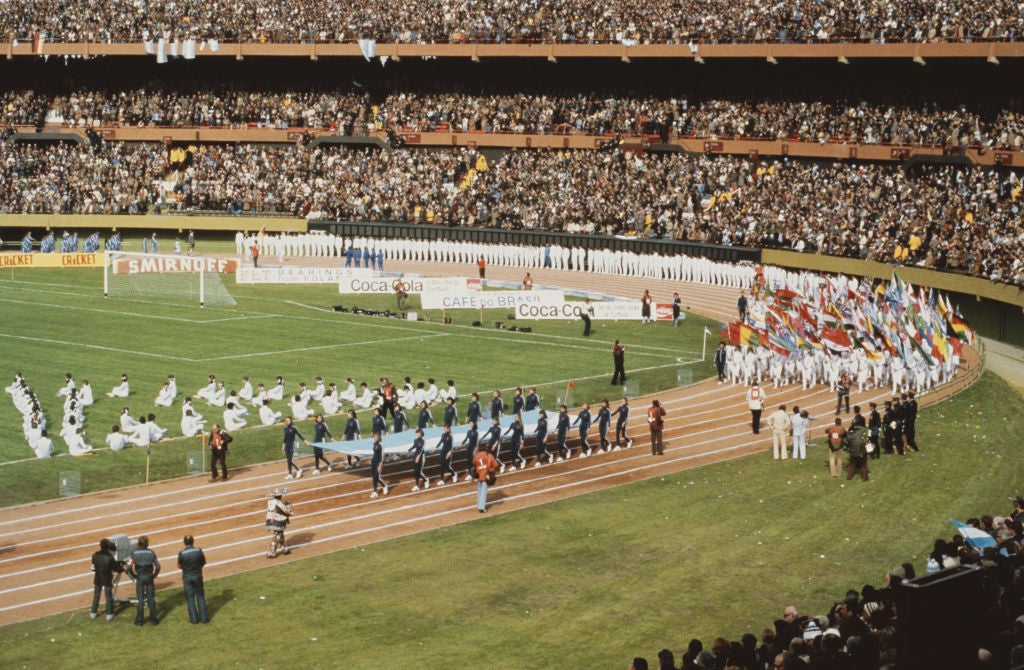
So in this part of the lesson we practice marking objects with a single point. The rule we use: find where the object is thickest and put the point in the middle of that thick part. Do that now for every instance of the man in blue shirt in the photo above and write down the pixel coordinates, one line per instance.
(191, 561)
(144, 567)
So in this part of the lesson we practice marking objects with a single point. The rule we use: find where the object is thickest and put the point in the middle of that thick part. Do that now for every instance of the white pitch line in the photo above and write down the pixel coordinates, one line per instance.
(77, 308)
(317, 309)
(255, 354)
(80, 345)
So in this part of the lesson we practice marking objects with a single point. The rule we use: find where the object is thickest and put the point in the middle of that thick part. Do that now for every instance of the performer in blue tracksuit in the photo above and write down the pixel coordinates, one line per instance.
(561, 431)
(532, 400)
(583, 419)
(470, 443)
(451, 413)
(426, 418)
(518, 402)
(491, 441)
(377, 466)
(622, 412)
(497, 405)
(445, 446)
(418, 458)
(604, 419)
(291, 432)
(473, 412)
(540, 437)
(401, 420)
(352, 433)
(320, 434)
(378, 424)
(516, 441)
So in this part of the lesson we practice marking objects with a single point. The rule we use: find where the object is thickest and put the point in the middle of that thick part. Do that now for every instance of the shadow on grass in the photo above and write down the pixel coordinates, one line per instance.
(218, 600)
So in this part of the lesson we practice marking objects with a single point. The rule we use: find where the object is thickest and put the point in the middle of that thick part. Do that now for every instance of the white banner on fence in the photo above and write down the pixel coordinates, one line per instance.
(490, 299)
(442, 285)
(293, 275)
(605, 311)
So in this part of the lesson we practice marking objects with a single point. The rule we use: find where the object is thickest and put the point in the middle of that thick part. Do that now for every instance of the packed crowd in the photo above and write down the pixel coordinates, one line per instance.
(942, 217)
(863, 630)
(353, 111)
(564, 21)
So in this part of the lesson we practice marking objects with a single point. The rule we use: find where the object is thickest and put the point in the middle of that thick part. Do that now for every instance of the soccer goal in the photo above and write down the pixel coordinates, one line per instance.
(127, 274)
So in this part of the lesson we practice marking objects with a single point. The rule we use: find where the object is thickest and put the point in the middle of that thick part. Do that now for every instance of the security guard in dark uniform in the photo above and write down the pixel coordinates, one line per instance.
(144, 568)
(910, 420)
(874, 427)
(897, 430)
(191, 561)
(888, 427)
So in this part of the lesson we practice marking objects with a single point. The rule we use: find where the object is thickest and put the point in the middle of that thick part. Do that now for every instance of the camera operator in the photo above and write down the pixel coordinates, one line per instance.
(104, 565)
(278, 516)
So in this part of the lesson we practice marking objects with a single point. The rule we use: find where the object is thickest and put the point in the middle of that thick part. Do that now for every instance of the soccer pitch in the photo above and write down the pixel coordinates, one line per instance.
(58, 321)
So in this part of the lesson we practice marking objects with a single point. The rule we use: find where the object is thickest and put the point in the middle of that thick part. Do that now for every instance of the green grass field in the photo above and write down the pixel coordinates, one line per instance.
(591, 581)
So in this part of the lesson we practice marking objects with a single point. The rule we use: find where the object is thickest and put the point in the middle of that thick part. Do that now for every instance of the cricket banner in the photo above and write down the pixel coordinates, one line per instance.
(38, 260)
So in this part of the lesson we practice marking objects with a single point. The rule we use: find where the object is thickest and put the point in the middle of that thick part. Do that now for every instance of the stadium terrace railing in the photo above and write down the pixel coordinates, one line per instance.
(696, 50)
(751, 147)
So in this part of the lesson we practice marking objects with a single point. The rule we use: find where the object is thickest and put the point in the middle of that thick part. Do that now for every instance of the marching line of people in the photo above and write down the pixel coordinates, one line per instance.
(748, 364)
(370, 253)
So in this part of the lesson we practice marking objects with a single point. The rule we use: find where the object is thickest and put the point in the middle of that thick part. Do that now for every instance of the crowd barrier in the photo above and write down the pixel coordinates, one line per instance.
(698, 52)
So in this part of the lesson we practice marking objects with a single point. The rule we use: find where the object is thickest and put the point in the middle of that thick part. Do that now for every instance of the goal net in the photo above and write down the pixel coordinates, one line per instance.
(190, 278)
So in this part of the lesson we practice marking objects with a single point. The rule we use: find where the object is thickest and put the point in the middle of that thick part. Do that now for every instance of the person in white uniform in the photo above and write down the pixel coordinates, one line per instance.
(268, 417)
(191, 424)
(233, 416)
(42, 445)
(121, 390)
(77, 445)
(349, 394)
(127, 422)
(277, 392)
(164, 397)
(115, 439)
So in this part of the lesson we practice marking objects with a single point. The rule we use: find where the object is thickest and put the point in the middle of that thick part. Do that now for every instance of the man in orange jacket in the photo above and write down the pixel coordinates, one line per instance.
(485, 464)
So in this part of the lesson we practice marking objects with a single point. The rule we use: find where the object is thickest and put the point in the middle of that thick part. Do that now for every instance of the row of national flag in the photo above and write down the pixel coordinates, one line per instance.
(840, 315)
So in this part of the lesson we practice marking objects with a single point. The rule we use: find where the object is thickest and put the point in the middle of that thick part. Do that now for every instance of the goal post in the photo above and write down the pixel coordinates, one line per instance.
(128, 274)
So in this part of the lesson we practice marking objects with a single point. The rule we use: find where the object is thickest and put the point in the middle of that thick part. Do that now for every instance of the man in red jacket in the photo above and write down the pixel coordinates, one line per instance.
(656, 422)
(485, 464)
